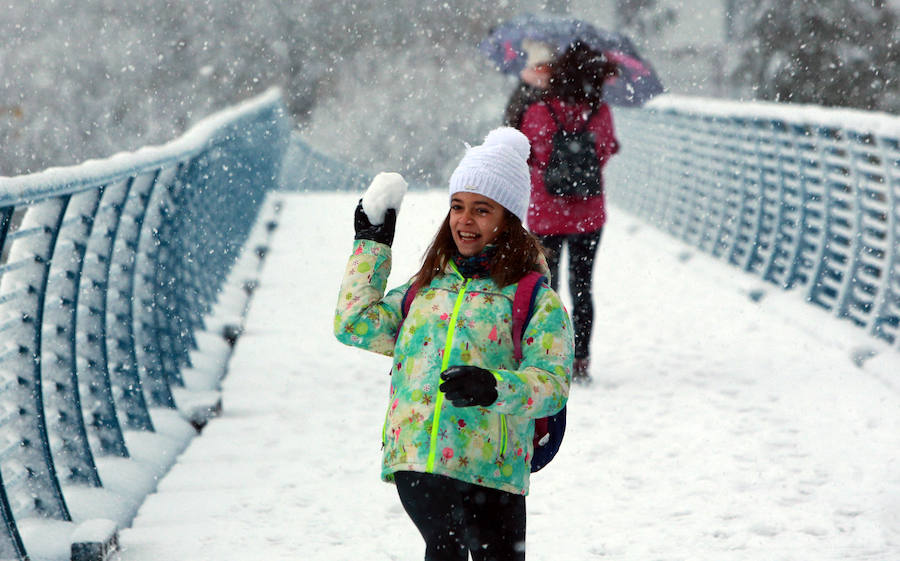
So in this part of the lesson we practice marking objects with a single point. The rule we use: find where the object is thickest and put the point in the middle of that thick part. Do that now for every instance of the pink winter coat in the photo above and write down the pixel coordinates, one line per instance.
(548, 214)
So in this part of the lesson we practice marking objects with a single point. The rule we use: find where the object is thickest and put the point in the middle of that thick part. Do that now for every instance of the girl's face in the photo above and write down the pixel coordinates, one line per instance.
(537, 76)
(475, 221)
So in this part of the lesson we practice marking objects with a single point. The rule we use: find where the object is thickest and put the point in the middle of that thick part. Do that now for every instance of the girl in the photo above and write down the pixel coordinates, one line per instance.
(573, 100)
(460, 419)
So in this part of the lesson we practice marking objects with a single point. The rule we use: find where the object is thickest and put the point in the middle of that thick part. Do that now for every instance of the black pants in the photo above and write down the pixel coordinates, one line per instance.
(457, 518)
(582, 250)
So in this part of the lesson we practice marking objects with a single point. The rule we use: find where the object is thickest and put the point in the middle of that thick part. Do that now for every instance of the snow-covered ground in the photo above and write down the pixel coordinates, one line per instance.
(720, 427)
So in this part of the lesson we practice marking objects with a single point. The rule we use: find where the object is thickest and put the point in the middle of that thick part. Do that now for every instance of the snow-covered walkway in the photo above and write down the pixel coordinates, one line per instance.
(721, 426)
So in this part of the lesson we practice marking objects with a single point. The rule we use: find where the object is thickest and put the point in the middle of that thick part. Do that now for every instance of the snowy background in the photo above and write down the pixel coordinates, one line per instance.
(719, 427)
(390, 84)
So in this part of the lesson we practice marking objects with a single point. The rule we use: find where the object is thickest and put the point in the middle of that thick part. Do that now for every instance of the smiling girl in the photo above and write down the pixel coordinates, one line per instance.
(460, 419)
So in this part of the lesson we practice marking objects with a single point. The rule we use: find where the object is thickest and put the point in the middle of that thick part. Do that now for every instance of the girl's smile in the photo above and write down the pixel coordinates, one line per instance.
(475, 221)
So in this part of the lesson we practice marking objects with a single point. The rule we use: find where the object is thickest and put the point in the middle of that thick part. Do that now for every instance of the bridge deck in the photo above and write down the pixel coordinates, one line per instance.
(721, 426)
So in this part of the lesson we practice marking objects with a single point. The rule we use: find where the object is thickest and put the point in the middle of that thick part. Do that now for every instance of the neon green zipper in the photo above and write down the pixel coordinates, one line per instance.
(384, 427)
(503, 432)
(439, 402)
(503, 435)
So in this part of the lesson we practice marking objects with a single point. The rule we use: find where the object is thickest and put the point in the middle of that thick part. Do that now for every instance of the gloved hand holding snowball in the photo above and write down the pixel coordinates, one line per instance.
(376, 214)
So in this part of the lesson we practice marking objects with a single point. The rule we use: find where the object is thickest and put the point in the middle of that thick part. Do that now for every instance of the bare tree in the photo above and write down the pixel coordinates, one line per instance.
(642, 18)
(826, 52)
(89, 78)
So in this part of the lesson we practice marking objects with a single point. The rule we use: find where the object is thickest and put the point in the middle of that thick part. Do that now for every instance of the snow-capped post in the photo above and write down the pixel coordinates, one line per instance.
(94, 540)
(233, 328)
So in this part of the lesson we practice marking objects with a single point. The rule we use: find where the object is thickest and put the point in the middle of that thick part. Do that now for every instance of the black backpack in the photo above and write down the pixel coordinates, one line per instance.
(574, 169)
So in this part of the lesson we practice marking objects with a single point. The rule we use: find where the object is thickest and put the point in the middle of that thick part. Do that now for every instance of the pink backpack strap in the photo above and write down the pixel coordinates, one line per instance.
(523, 302)
(409, 297)
(406, 303)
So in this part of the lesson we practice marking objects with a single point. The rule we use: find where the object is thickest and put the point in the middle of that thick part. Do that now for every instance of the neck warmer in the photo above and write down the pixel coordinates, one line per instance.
(476, 266)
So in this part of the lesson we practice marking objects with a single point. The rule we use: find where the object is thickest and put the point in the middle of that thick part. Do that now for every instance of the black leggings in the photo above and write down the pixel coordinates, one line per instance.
(582, 250)
(457, 518)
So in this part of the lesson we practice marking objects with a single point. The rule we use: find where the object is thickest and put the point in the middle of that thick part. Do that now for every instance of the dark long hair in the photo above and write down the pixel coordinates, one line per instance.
(522, 97)
(518, 253)
(578, 75)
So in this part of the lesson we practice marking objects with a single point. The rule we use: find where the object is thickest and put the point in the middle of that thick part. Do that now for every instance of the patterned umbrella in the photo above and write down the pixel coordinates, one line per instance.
(635, 84)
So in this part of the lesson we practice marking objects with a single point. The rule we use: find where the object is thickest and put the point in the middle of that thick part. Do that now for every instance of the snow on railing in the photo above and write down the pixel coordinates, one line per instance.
(804, 197)
(115, 296)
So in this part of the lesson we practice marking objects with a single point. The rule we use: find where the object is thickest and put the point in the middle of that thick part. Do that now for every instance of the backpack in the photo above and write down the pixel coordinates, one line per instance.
(548, 431)
(574, 169)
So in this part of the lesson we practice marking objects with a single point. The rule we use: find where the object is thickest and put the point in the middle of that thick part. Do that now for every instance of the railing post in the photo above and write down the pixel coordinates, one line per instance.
(62, 398)
(147, 343)
(98, 403)
(731, 196)
(121, 296)
(128, 394)
(11, 546)
(887, 304)
(29, 456)
(163, 283)
(809, 189)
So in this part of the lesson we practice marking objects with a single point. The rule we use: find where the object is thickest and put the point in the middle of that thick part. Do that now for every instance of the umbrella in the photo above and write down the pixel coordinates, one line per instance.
(635, 83)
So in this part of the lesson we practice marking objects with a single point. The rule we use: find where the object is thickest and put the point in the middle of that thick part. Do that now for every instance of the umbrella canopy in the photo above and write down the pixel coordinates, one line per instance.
(635, 83)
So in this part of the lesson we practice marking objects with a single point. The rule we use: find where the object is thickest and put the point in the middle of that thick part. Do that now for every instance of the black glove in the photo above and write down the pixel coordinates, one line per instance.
(382, 233)
(466, 386)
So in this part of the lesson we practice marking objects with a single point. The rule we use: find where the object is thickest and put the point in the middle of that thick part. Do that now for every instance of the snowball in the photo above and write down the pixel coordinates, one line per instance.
(509, 137)
(386, 191)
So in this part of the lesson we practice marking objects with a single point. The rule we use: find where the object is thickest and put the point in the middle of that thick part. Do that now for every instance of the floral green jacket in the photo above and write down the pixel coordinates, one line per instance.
(456, 321)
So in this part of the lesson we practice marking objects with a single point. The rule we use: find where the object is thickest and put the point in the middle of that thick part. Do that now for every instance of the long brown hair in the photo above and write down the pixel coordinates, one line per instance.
(578, 75)
(518, 252)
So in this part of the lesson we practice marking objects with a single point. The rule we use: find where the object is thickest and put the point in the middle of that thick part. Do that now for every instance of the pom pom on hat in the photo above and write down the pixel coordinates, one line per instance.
(497, 169)
(510, 137)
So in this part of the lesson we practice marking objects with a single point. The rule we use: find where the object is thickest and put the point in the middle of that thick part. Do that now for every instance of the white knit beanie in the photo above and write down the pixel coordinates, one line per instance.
(498, 169)
(537, 52)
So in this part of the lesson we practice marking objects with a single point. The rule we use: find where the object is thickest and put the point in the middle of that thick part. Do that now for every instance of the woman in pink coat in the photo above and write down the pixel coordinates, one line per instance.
(573, 100)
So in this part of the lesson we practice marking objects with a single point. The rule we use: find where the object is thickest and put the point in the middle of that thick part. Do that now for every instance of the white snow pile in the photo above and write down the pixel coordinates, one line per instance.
(385, 192)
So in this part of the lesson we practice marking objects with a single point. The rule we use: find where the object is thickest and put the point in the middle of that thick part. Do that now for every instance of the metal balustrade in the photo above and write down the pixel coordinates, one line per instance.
(805, 198)
(109, 272)
(305, 169)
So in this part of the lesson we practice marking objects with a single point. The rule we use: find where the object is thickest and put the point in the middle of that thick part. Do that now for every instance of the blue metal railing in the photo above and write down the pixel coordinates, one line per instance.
(805, 198)
(109, 269)
(305, 169)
